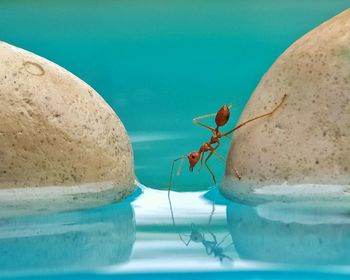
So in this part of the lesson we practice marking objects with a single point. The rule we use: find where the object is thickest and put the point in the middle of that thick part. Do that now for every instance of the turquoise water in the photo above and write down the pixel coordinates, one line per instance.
(159, 64)
(136, 238)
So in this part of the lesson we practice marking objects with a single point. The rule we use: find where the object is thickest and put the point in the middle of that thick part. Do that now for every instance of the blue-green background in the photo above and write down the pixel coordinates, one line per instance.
(161, 63)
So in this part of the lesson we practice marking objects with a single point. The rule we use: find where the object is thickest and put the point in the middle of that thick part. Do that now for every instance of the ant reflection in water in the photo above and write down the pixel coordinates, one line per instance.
(212, 247)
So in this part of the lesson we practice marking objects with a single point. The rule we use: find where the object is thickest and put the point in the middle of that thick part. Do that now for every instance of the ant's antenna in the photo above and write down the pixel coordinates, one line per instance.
(172, 170)
(180, 166)
(169, 189)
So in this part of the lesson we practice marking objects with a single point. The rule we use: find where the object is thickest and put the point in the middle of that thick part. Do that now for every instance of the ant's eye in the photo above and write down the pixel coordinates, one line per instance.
(193, 157)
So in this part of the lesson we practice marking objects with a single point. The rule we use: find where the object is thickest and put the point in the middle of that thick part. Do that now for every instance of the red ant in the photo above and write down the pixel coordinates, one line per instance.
(221, 118)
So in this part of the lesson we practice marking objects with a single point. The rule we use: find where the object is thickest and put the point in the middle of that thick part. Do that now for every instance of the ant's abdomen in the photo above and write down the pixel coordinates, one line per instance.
(222, 116)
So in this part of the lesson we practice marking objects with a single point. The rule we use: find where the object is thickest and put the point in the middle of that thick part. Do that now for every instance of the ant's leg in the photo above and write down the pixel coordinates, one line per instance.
(169, 200)
(214, 237)
(228, 246)
(207, 166)
(239, 177)
(201, 163)
(188, 243)
(234, 169)
(186, 235)
(258, 117)
(195, 121)
(223, 240)
(212, 174)
(219, 156)
(223, 256)
(208, 248)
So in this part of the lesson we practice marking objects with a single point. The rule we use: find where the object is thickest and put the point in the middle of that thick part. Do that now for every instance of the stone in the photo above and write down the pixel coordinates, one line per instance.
(61, 145)
(302, 151)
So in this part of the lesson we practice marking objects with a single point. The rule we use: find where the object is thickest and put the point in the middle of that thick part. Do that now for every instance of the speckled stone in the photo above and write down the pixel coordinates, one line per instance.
(307, 141)
(57, 135)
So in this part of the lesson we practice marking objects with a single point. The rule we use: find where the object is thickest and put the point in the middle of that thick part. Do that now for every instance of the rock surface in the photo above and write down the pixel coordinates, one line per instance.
(58, 137)
(307, 141)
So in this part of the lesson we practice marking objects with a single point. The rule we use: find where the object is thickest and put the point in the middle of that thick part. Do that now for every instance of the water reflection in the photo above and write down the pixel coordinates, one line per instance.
(304, 233)
(138, 235)
(212, 246)
(78, 240)
(199, 235)
(158, 246)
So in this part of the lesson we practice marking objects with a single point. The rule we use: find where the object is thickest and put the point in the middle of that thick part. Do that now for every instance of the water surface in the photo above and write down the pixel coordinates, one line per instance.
(137, 236)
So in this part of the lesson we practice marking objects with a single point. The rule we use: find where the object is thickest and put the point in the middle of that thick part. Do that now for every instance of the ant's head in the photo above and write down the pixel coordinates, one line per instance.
(196, 236)
(193, 158)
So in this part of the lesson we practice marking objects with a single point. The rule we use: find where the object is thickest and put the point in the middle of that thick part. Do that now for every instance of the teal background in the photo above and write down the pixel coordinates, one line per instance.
(161, 63)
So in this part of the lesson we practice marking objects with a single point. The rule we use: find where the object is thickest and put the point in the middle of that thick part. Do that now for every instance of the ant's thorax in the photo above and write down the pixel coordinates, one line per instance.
(213, 140)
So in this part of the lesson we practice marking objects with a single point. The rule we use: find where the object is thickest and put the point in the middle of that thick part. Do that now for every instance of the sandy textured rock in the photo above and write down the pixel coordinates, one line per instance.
(307, 141)
(58, 137)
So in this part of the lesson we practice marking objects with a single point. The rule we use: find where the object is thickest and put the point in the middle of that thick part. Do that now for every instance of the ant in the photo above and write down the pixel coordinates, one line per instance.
(211, 246)
(221, 118)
